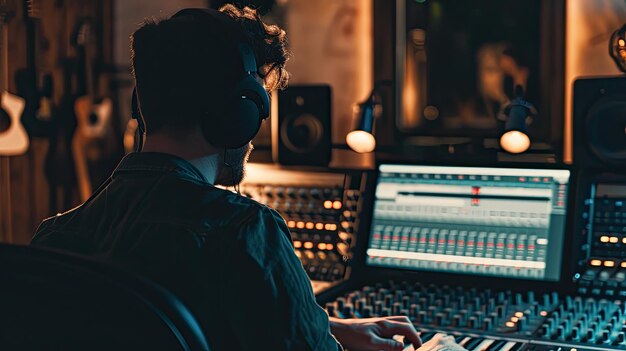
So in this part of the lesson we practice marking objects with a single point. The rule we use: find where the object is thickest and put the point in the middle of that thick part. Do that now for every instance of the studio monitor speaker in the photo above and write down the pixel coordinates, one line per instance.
(302, 134)
(600, 122)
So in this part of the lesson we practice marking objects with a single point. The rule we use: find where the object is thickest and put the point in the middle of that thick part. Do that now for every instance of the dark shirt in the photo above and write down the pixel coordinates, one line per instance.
(229, 258)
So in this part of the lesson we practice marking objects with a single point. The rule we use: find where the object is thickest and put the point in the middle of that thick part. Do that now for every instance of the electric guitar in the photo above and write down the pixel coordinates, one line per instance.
(13, 138)
(37, 116)
(93, 117)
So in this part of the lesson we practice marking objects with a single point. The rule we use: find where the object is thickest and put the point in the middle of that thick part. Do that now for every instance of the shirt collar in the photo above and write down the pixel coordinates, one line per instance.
(158, 162)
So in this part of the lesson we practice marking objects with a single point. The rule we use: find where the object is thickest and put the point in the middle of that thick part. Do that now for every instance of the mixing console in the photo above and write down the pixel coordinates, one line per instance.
(449, 308)
(493, 320)
(602, 264)
(497, 222)
(321, 210)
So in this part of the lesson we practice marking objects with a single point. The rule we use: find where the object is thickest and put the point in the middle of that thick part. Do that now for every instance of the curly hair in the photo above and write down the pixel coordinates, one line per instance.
(269, 43)
(184, 68)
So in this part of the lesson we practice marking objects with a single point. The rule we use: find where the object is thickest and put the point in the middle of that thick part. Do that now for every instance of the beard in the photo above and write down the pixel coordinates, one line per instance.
(232, 169)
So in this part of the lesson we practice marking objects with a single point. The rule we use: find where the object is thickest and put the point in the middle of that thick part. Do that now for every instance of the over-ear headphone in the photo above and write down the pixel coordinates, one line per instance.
(247, 106)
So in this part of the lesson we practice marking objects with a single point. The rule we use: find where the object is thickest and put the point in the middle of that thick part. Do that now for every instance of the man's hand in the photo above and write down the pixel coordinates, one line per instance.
(374, 333)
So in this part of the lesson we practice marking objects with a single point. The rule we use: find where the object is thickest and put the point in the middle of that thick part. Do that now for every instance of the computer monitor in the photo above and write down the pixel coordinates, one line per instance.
(491, 221)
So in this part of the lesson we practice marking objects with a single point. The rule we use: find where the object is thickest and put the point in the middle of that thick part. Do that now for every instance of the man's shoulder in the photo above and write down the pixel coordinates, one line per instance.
(210, 205)
(240, 209)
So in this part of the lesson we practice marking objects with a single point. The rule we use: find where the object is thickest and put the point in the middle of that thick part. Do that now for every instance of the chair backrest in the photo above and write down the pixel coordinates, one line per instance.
(56, 301)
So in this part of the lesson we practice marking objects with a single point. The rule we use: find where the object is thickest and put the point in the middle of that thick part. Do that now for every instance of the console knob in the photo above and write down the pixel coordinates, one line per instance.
(568, 302)
(439, 319)
(518, 299)
(456, 320)
(371, 297)
(500, 311)
(605, 335)
(397, 307)
(330, 308)
(530, 297)
(315, 193)
(421, 317)
(544, 330)
(367, 312)
(360, 303)
(491, 305)
(378, 306)
(555, 298)
(340, 303)
(471, 322)
(406, 301)
(348, 311)
(431, 311)
(477, 303)
(487, 324)
(621, 337)
(413, 310)
(590, 335)
(388, 300)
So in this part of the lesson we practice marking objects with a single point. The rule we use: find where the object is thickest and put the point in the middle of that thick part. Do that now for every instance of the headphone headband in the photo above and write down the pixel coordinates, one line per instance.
(249, 102)
(234, 36)
(247, 56)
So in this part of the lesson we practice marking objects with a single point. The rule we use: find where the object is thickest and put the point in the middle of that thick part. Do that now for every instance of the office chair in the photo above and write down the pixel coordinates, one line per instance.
(56, 301)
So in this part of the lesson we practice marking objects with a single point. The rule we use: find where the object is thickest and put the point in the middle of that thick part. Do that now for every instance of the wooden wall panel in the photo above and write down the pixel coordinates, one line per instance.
(29, 188)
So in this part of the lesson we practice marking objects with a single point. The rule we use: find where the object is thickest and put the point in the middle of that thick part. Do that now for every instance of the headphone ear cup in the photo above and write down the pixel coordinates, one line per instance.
(241, 120)
(251, 89)
(237, 127)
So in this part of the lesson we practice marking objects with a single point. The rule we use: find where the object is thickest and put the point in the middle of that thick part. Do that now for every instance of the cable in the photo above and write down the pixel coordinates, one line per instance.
(232, 171)
(136, 115)
(140, 135)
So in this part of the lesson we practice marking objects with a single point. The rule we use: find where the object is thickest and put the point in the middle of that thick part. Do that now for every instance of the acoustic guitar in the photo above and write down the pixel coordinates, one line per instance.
(93, 115)
(13, 138)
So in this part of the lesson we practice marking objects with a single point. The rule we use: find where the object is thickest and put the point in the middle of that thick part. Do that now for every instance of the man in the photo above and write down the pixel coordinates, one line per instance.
(227, 257)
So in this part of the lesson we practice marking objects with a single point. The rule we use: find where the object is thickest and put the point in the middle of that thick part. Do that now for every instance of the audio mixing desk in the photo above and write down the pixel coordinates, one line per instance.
(489, 256)
(501, 258)
(321, 210)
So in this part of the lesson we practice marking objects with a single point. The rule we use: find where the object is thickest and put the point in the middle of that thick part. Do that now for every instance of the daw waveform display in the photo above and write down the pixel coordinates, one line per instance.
(489, 221)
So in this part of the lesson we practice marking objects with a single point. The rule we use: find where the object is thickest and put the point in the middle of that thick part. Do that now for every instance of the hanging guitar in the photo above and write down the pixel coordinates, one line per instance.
(13, 138)
(37, 115)
(93, 115)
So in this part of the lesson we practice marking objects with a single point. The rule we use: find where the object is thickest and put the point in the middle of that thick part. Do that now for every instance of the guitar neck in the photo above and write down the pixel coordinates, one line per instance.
(4, 56)
(31, 18)
(89, 76)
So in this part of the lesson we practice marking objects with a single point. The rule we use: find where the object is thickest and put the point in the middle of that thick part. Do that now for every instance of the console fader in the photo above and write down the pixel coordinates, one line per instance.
(321, 210)
(601, 268)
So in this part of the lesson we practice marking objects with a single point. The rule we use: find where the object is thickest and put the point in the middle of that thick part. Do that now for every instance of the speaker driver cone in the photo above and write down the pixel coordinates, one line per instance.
(302, 134)
(606, 128)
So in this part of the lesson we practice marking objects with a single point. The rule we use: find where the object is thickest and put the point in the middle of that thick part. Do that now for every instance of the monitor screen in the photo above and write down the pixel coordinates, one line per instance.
(505, 222)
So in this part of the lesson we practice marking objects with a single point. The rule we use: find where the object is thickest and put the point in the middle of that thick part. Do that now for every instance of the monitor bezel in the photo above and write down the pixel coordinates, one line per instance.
(368, 273)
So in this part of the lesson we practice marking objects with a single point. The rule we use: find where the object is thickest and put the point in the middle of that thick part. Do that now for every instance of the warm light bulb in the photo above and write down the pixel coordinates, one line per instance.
(515, 142)
(361, 141)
